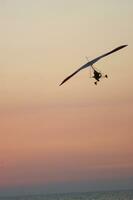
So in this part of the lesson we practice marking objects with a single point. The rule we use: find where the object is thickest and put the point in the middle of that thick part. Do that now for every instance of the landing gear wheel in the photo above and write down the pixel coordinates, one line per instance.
(95, 83)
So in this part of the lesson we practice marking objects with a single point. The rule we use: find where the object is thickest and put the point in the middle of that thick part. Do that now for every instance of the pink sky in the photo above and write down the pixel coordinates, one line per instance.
(77, 132)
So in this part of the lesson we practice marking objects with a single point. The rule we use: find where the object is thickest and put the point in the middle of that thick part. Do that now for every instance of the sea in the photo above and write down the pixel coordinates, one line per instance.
(107, 195)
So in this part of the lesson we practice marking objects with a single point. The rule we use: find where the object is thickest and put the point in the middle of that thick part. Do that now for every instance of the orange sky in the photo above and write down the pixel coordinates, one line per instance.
(77, 132)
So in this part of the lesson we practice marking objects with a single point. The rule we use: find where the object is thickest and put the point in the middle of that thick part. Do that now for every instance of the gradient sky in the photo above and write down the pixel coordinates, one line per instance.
(77, 137)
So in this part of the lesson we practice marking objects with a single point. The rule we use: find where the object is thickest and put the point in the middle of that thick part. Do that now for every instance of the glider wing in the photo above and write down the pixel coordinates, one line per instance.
(90, 63)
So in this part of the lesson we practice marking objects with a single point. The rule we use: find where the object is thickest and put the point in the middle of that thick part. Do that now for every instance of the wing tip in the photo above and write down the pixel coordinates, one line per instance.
(122, 46)
(61, 83)
(125, 45)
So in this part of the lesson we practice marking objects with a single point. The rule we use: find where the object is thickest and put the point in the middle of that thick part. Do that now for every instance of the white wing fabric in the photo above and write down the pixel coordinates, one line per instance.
(90, 63)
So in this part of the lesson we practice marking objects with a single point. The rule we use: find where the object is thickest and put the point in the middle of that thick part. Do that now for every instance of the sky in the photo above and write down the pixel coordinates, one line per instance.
(77, 137)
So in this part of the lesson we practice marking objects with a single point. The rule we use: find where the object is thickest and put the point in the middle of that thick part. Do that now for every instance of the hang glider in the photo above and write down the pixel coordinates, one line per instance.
(91, 63)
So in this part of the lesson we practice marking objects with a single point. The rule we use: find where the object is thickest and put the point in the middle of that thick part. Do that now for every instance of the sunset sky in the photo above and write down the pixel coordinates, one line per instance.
(77, 137)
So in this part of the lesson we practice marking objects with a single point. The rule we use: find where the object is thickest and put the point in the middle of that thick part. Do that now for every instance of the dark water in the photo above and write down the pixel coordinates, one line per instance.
(116, 195)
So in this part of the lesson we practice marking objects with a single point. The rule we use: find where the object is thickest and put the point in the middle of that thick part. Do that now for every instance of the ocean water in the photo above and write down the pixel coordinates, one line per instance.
(108, 195)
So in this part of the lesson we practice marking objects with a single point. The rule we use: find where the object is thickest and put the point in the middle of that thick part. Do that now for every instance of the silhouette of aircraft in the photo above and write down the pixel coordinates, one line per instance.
(96, 74)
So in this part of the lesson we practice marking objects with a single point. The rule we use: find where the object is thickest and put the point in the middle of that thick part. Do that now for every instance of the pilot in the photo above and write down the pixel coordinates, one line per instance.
(97, 75)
